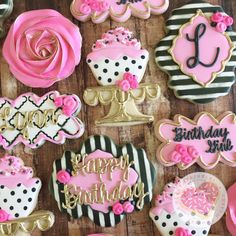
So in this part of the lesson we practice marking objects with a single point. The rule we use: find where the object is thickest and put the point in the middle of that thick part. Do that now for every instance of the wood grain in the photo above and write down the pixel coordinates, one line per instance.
(149, 32)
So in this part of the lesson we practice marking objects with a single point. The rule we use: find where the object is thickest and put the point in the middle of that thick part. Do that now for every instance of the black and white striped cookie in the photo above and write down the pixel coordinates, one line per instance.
(6, 7)
(102, 181)
(198, 52)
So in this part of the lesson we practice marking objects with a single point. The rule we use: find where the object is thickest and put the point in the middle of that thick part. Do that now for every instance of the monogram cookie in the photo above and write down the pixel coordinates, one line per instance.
(204, 70)
(119, 10)
(206, 140)
(102, 181)
(32, 120)
(189, 206)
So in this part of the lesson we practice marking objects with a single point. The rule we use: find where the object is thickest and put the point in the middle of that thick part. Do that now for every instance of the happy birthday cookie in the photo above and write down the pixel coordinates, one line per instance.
(206, 140)
(18, 198)
(102, 181)
(119, 10)
(204, 70)
(32, 120)
(189, 206)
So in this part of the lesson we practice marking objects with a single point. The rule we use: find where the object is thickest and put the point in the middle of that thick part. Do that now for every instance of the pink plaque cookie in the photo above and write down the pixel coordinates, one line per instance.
(32, 120)
(205, 140)
(189, 206)
(119, 10)
(42, 47)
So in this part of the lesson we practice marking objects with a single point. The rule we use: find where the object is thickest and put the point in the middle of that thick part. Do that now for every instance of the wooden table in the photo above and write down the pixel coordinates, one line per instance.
(149, 32)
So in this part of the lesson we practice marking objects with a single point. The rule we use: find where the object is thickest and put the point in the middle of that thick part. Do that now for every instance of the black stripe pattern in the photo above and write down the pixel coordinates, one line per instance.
(6, 7)
(183, 85)
(142, 166)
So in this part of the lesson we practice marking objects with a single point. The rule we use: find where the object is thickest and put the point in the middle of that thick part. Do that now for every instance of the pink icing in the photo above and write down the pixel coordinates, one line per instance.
(13, 172)
(129, 81)
(4, 216)
(117, 208)
(63, 176)
(226, 147)
(116, 43)
(221, 27)
(86, 181)
(124, 85)
(128, 207)
(208, 44)
(182, 232)
(217, 17)
(38, 53)
(83, 10)
(228, 20)
(69, 104)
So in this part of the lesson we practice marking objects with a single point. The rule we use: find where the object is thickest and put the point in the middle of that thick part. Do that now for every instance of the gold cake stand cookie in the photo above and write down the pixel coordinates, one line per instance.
(123, 109)
(43, 220)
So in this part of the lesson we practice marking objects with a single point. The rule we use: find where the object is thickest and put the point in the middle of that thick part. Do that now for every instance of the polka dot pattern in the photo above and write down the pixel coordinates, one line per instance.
(20, 201)
(108, 71)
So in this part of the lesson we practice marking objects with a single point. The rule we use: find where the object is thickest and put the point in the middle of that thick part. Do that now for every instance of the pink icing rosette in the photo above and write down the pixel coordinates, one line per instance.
(42, 47)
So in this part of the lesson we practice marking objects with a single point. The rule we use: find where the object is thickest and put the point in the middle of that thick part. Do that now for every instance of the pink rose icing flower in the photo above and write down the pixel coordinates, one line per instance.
(4, 216)
(128, 207)
(182, 232)
(63, 176)
(129, 81)
(221, 27)
(175, 157)
(217, 17)
(38, 53)
(228, 20)
(117, 208)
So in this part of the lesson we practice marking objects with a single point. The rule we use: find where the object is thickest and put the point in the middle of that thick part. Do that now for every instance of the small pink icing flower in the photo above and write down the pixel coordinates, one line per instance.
(63, 176)
(58, 101)
(104, 6)
(69, 101)
(117, 208)
(228, 20)
(95, 6)
(42, 47)
(85, 9)
(175, 157)
(193, 152)
(221, 27)
(128, 207)
(182, 232)
(124, 85)
(4, 216)
(128, 76)
(217, 17)
(186, 159)
(182, 149)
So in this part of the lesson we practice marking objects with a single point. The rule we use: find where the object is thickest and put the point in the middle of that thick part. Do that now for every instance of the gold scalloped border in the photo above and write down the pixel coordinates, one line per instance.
(223, 63)
(177, 122)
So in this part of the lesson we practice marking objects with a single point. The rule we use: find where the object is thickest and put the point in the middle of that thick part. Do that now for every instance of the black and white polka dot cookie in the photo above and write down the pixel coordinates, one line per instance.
(189, 206)
(116, 53)
(18, 189)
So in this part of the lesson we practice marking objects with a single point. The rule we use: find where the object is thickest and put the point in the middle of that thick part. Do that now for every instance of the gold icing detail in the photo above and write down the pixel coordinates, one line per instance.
(180, 35)
(123, 110)
(43, 220)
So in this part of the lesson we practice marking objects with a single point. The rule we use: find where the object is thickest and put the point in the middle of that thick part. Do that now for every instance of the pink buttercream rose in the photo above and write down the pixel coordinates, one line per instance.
(175, 157)
(58, 101)
(193, 152)
(117, 208)
(63, 176)
(4, 216)
(182, 232)
(182, 149)
(228, 20)
(217, 17)
(85, 9)
(128, 207)
(221, 27)
(186, 159)
(42, 47)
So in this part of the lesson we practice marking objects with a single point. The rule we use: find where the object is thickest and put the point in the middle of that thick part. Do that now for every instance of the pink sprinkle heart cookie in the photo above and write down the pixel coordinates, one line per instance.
(119, 10)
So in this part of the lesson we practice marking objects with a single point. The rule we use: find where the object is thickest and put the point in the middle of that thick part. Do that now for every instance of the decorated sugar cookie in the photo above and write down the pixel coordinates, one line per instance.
(42, 47)
(18, 198)
(231, 210)
(189, 206)
(102, 181)
(118, 63)
(32, 120)
(119, 10)
(6, 7)
(204, 70)
(206, 140)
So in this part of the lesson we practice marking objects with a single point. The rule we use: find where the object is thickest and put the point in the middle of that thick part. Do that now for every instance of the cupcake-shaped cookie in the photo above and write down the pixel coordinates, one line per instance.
(116, 53)
(19, 190)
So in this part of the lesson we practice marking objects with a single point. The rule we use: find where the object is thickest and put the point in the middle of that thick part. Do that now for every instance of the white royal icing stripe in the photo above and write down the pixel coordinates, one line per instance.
(196, 86)
(204, 96)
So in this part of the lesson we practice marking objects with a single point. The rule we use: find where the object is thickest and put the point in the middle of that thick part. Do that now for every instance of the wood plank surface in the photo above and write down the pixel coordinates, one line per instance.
(149, 32)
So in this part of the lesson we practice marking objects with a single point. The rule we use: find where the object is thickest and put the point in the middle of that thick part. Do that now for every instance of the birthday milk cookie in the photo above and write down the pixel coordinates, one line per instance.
(206, 140)
(189, 206)
(18, 198)
(198, 52)
(102, 181)
(119, 10)
(32, 120)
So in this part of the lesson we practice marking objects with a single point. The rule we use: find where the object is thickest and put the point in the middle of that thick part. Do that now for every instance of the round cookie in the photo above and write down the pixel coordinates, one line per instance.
(204, 70)
(102, 181)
